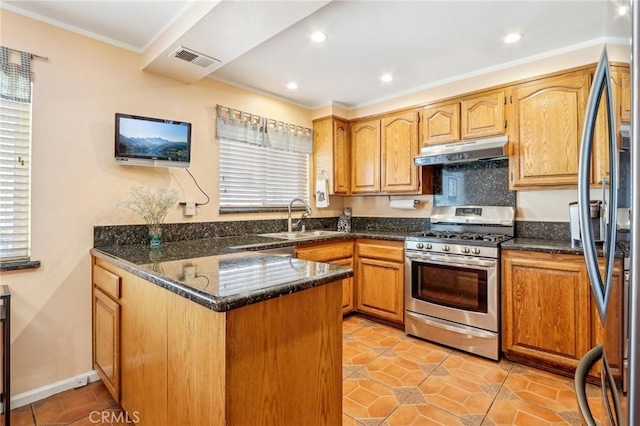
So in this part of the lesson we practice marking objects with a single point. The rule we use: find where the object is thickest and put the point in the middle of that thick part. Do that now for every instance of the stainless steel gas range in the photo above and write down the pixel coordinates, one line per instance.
(452, 278)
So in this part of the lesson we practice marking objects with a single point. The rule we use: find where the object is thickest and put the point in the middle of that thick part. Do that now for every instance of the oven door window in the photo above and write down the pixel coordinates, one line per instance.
(452, 286)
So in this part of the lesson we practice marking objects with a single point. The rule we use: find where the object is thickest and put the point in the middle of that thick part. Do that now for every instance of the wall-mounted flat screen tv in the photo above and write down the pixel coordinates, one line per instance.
(145, 141)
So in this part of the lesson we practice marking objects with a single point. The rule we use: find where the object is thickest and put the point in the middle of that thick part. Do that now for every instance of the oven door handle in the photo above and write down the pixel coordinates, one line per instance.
(462, 329)
(453, 261)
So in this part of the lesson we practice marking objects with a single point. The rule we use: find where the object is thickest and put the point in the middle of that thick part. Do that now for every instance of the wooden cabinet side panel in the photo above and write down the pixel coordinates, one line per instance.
(106, 341)
(483, 115)
(549, 116)
(196, 365)
(380, 288)
(365, 156)
(284, 359)
(144, 349)
(323, 160)
(546, 307)
(399, 145)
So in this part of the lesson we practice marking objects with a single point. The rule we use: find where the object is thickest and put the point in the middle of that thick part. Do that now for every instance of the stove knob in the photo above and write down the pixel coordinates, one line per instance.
(446, 248)
(476, 251)
(429, 246)
(419, 245)
(465, 249)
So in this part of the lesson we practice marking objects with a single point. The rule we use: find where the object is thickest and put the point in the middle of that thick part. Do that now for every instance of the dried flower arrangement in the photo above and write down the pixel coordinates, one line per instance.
(153, 206)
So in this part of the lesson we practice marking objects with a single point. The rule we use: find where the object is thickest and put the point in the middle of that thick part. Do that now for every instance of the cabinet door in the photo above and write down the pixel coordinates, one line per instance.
(399, 145)
(348, 296)
(600, 161)
(440, 123)
(614, 341)
(545, 308)
(549, 115)
(380, 288)
(625, 95)
(341, 154)
(323, 156)
(483, 115)
(365, 156)
(106, 341)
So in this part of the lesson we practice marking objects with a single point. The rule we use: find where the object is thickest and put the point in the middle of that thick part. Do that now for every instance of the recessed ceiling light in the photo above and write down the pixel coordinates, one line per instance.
(512, 38)
(292, 86)
(622, 10)
(386, 78)
(318, 37)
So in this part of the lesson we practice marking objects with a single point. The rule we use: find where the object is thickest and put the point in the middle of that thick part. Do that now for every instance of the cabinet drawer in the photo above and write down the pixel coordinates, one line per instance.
(325, 252)
(380, 249)
(106, 281)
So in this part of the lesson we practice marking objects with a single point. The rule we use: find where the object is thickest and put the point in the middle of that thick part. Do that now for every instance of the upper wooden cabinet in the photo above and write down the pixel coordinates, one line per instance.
(365, 156)
(399, 145)
(477, 116)
(625, 94)
(382, 151)
(331, 153)
(483, 115)
(545, 141)
(440, 123)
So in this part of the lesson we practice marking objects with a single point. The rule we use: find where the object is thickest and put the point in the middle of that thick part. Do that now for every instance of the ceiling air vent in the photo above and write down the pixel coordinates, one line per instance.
(194, 57)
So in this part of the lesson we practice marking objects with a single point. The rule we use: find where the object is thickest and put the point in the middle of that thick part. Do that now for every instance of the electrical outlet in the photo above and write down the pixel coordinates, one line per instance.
(80, 382)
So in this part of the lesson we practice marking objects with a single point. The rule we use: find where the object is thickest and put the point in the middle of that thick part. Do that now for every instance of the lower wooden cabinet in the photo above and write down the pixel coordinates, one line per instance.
(106, 328)
(547, 310)
(338, 253)
(380, 279)
(106, 344)
(184, 364)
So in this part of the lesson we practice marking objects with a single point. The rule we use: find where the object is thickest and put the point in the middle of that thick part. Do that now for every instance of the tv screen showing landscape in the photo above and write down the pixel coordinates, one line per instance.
(152, 139)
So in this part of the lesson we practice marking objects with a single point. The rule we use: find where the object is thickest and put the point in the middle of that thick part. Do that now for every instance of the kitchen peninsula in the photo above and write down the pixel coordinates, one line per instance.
(198, 332)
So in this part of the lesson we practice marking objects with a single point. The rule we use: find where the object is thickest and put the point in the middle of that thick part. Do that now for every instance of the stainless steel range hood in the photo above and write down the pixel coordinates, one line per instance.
(462, 152)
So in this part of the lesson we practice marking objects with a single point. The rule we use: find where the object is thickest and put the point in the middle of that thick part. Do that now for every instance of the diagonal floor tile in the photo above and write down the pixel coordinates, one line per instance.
(354, 353)
(368, 399)
(457, 396)
(424, 414)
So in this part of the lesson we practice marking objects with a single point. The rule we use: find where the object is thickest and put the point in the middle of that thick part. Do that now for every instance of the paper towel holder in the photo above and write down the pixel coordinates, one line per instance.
(415, 202)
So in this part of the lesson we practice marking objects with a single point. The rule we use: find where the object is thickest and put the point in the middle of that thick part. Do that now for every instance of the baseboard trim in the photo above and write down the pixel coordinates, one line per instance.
(46, 391)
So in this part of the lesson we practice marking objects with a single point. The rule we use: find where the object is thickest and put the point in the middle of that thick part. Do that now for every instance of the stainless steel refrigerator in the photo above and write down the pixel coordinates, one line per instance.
(617, 302)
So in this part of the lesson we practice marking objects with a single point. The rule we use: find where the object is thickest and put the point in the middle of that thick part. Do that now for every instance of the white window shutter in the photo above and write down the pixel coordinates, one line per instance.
(15, 184)
(254, 177)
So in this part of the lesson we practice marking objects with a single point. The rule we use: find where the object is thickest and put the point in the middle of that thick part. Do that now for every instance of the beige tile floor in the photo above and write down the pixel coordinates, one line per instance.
(390, 379)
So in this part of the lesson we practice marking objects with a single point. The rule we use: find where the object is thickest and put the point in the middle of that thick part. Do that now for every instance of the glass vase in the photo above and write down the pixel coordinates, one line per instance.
(155, 234)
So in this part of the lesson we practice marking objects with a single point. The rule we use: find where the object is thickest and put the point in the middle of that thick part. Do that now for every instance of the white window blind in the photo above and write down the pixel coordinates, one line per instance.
(255, 177)
(15, 166)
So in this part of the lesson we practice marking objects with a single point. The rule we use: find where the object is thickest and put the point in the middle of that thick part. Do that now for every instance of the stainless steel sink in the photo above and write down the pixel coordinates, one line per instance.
(300, 235)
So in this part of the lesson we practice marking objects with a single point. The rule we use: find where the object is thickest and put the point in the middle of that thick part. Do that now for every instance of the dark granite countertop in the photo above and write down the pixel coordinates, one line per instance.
(226, 273)
(547, 246)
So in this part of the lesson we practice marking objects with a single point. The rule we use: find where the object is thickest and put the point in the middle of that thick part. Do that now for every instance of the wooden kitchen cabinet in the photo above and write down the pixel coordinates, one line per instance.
(185, 364)
(483, 115)
(365, 156)
(398, 147)
(338, 253)
(548, 314)
(440, 123)
(545, 141)
(476, 116)
(625, 94)
(382, 152)
(380, 279)
(332, 153)
(106, 328)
